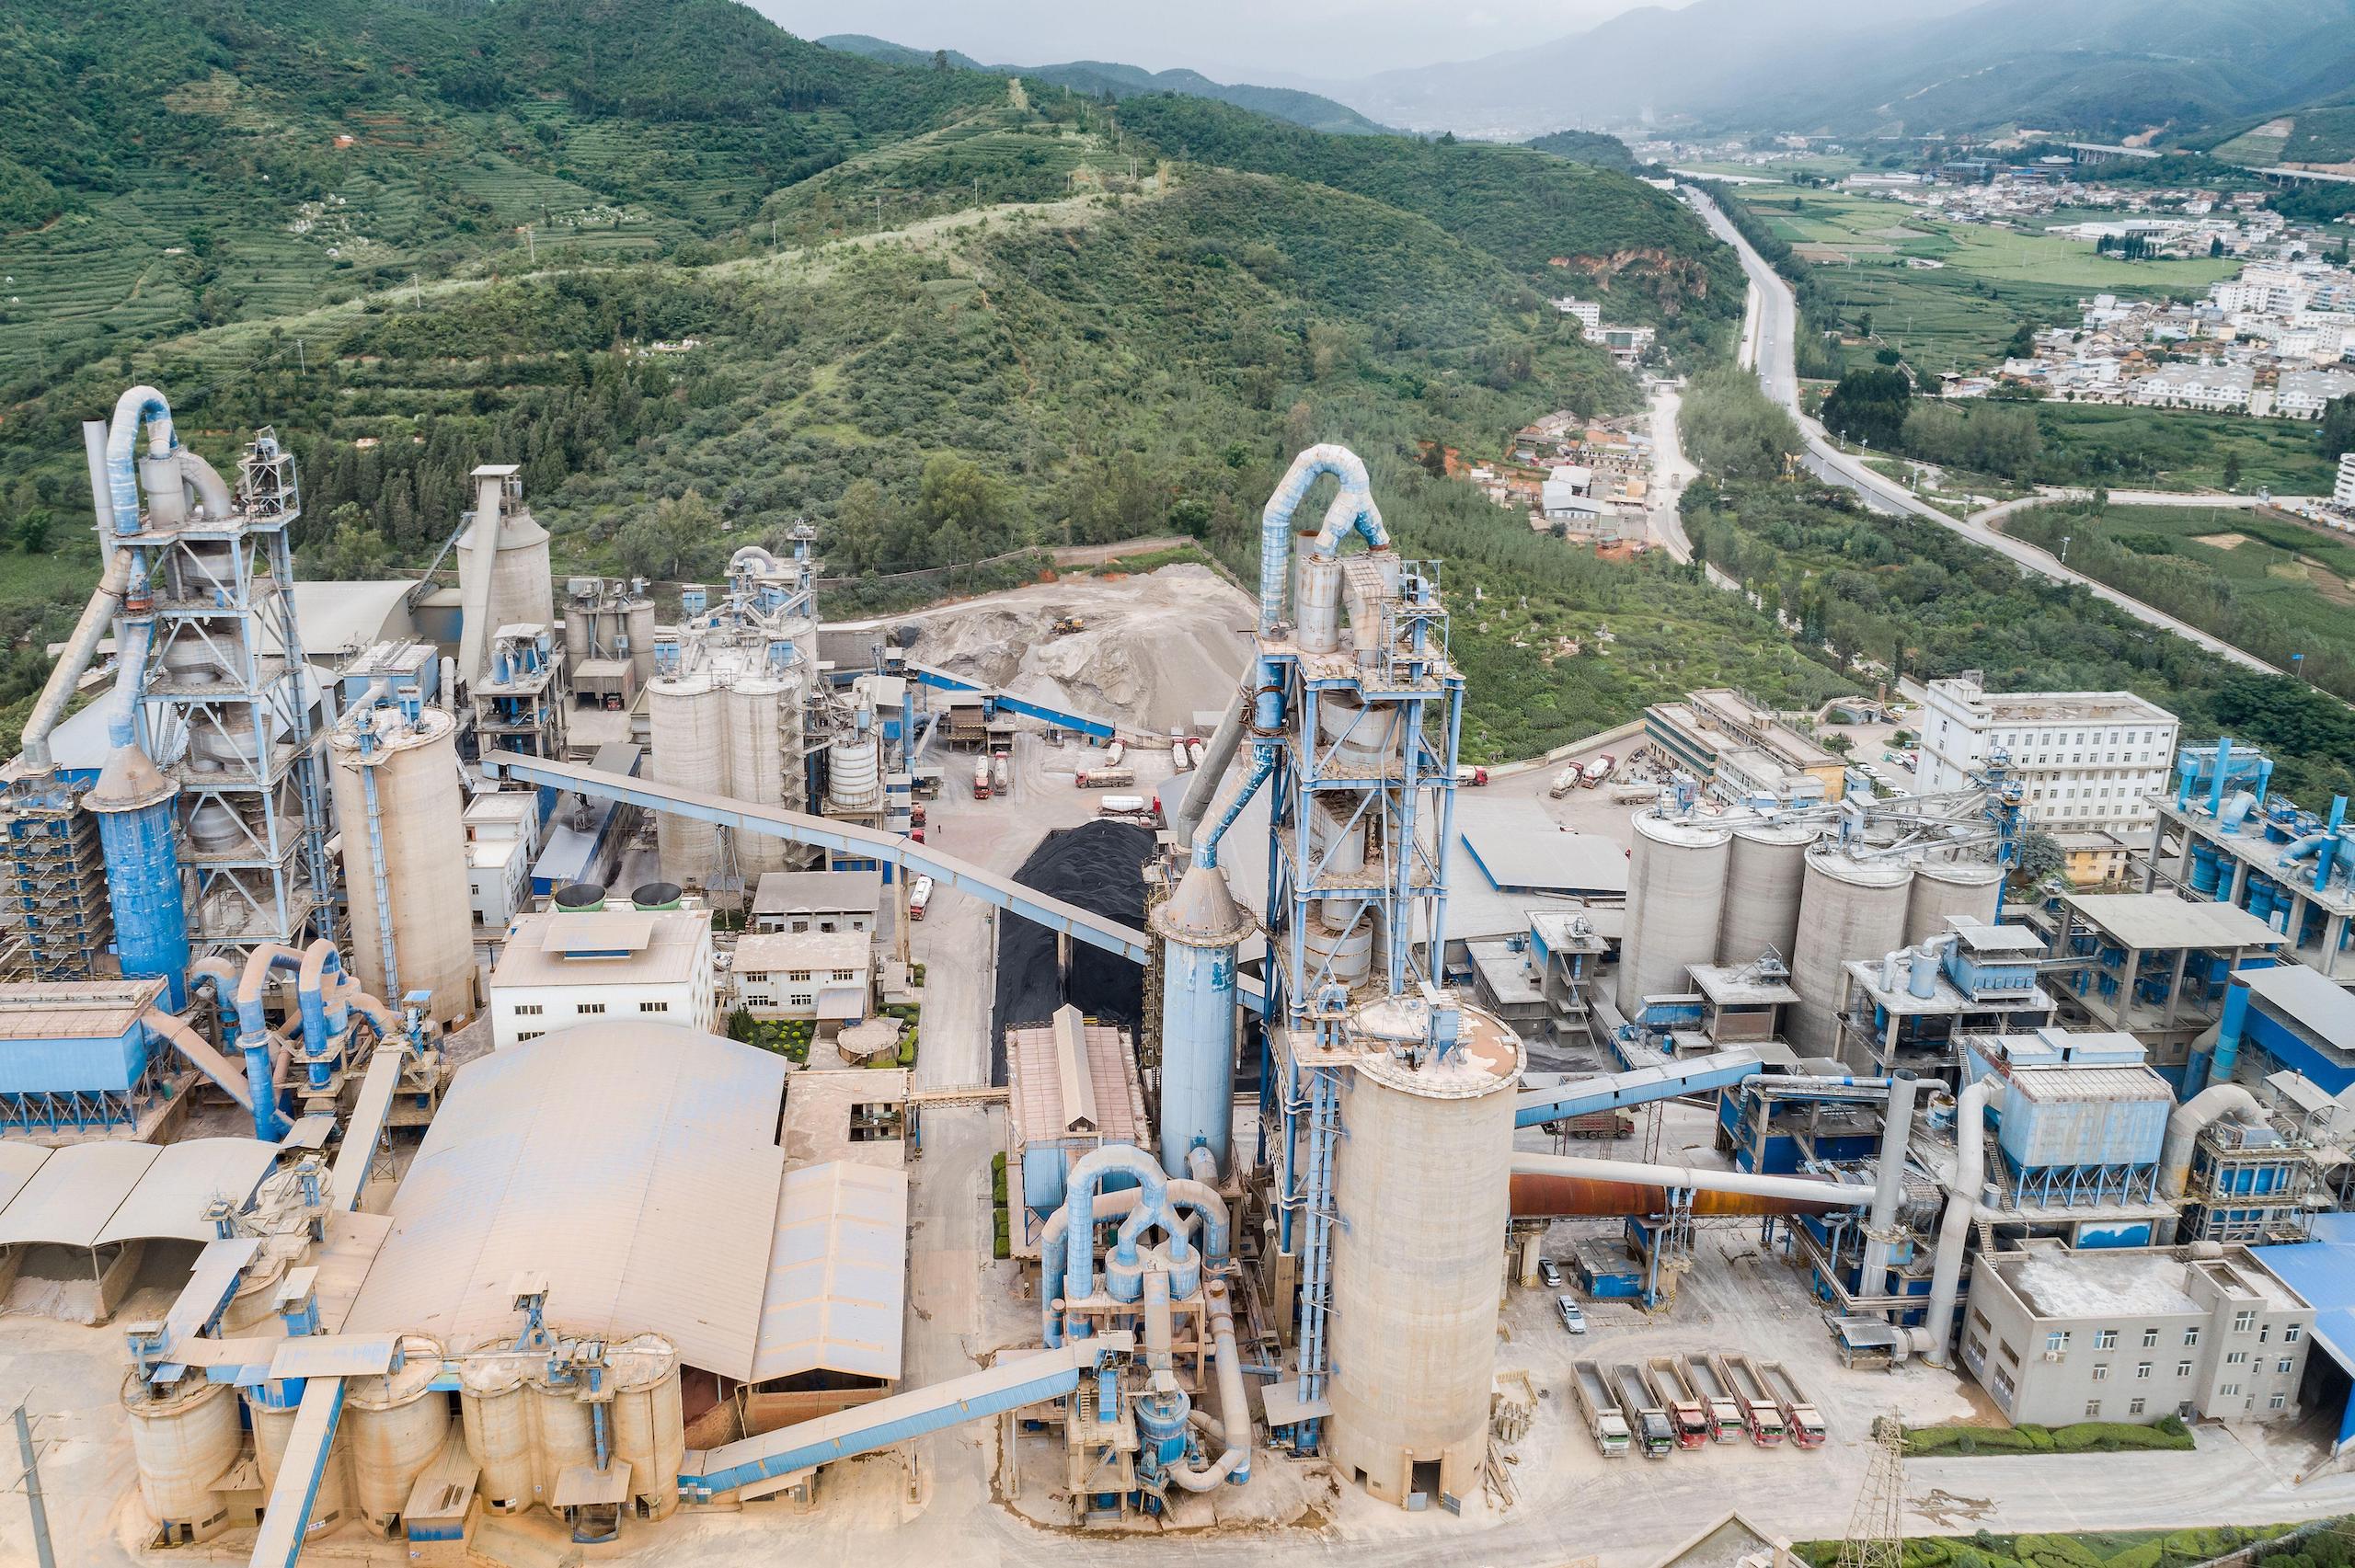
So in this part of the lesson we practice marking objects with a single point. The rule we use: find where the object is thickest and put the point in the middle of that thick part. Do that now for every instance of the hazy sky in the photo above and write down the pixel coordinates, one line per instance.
(1258, 40)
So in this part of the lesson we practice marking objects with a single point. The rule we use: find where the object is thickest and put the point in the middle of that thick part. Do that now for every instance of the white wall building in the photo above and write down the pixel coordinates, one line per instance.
(498, 872)
(2221, 389)
(2304, 393)
(2087, 759)
(828, 977)
(564, 967)
(2342, 494)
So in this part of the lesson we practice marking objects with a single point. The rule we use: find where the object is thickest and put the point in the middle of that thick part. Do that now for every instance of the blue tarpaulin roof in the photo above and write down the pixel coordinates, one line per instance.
(2322, 1271)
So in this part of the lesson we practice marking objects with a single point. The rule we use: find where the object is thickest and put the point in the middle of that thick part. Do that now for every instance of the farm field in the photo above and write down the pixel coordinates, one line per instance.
(2271, 583)
(2180, 449)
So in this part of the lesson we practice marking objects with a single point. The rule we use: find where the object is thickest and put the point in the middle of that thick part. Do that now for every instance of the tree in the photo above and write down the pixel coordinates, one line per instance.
(2041, 858)
(2232, 471)
(2339, 426)
(740, 1026)
(659, 543)
(955, 494)
(31, 530)
(1869, 406)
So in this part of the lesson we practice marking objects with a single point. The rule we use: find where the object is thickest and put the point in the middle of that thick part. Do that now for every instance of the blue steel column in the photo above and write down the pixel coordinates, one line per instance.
(1200, 927)
(133, 804)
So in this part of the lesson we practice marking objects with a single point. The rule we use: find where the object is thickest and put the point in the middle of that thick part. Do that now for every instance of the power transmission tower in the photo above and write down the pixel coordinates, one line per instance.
(1876, 1537)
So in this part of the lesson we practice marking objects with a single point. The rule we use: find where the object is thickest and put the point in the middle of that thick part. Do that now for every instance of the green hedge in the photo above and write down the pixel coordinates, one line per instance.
(2084, 1438)
(2126, 1549)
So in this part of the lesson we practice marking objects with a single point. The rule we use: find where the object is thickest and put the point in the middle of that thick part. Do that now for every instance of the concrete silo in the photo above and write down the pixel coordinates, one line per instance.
(398, 807)
(1676, 882)
(503, 576)
(1944, 888)
(1765, 869)
(729, 721)
(688, 720)
(1199, 926)
(1422, 1182)
(1849, 908)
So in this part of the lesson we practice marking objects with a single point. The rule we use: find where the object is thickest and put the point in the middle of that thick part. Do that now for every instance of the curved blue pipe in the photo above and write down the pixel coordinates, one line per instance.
(140, 405)
(1353, 508)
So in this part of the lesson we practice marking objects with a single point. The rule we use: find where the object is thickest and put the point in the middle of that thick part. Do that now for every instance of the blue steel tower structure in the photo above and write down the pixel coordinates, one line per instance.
(1354, 731)
(213, 669)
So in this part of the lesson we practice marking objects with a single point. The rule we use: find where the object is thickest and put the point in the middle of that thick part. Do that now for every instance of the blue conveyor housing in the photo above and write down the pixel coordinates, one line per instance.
(1030, 707)
(288, 1514)
(1641, 1087)
(1010, 1385)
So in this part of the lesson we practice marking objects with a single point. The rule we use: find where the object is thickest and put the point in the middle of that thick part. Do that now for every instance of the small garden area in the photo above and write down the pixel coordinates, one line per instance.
(2084, 1438)
(2120, 1549)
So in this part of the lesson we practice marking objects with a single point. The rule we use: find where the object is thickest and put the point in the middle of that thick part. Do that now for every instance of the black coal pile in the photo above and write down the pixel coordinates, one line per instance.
(1097, 866)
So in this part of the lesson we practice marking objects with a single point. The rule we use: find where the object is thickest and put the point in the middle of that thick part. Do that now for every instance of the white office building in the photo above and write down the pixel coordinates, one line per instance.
(566, 966)
(2086, 758)
(2342, 494)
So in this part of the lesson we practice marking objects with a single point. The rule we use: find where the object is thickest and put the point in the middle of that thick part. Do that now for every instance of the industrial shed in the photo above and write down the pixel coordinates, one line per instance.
(109, 1200)
(637, 1170)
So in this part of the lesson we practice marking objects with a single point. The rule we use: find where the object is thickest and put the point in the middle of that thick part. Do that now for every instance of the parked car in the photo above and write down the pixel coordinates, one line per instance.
(1550, 1272)
(1573, 1319)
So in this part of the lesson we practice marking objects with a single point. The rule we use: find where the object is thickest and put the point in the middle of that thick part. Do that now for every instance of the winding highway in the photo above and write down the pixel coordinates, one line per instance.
(1768, 332)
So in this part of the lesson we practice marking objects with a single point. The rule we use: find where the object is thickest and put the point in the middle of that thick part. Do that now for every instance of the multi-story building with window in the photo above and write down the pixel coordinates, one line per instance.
(2086, 758)
(2136, 1334)
(565, 967)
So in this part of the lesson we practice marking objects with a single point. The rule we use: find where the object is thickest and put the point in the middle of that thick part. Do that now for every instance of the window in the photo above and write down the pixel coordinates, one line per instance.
(2228, 1390)
(2093, 1408)
(654, 1007)
(759, 999)
(2141, 1372)
(2283, 1365)
(845, 974)
(528, 1035)
(2101, 1372)
(800, 925)
(2183, 1368)
(2243, 1322)
(2057, 1342)
(527, 1009)
(2105, 1340)
(2290, 1333)
(756, 976)
(2264, 1332)
(588, 1009)
(2150, 1339)
(798, 977)
(2236, 1358)
(2135, 1406)
(2277, 1402)
(2008, 1353)
(800, 998)
(2191, 1337)
(1978, 1318)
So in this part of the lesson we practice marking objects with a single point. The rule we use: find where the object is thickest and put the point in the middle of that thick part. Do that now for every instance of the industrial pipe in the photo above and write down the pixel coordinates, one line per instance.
(1584, 1185)
(1234, 1404)
(1216, 759)
(1079, 1203)
(1352, 507)
(73, 659)
(1962, 1202)
(1205, 853)
(1896, 1136)
(253, 1032)
(2186, 1123)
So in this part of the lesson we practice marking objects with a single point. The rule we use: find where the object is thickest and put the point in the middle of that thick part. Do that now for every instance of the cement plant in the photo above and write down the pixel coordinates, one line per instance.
(502, 1068)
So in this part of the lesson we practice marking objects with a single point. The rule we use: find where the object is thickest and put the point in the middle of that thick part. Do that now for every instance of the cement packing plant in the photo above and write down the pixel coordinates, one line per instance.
(495, 1068)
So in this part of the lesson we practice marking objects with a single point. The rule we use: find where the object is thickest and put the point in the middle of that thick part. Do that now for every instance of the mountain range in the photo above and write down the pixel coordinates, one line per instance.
(2096, 68)
(1106, 79)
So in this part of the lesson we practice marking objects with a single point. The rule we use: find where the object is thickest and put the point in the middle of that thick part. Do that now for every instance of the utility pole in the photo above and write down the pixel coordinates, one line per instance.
(35, 1504)
(530, 245)
(1876, 1537)
(302, 361)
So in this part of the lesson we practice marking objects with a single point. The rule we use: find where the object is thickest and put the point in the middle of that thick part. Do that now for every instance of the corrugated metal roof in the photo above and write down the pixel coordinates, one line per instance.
(172, 1195)
(661, 948)
(603, 931)
(634, 1165)
(17, 1164)
(2155, 922)
(837, 1278)
(2318, 1004)
(75, 1192)
(2051, 1084)
(73, 1010)
(768, 952)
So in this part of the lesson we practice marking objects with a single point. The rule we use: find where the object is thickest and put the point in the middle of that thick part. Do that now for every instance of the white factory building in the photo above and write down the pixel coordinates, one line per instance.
(605, 966)
(2089, 759)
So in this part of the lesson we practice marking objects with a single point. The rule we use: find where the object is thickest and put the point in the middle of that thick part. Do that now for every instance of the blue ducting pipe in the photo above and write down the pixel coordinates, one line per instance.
(1353, 508)
(1206, 853)
(2228, 1035)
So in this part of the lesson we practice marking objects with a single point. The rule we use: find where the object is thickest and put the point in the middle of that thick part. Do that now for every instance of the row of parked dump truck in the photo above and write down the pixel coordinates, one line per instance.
(1689, 1401)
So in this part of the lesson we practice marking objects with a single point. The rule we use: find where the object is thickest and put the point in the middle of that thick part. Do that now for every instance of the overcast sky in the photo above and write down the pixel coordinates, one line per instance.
(1261, 40)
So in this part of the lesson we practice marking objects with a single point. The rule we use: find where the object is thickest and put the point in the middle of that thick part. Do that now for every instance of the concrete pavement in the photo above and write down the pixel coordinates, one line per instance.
(1776, 321)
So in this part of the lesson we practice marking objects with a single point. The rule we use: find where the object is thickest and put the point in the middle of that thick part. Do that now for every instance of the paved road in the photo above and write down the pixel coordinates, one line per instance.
(1671, 473)
(1777, 316)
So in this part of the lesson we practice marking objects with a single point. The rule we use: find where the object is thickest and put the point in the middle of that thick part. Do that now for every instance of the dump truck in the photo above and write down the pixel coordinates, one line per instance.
(1760, 1414)
(1725, 1411)
(1804, 1421)
(1065, 625)
(1647, 1418)
(1686, 1413)
(1603, 1417)
(1106, 778)
(982, 778)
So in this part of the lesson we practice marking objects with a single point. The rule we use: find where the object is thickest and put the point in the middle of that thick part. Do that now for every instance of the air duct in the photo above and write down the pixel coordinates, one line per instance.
(1352, 509)
(2186, 1123)
(1954, 1225)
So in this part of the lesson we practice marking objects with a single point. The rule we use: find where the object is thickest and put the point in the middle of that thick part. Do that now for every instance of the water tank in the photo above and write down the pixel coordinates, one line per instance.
(271, 1408)
(580, 628)
(416, 841)
(637, 622)
(1422, 1172)
(649, 1431)
(1944, 887)
(182, 1440)
(498, 1424)
(689, 731)
(854, 772)
(1765, 866)
(1676, 881)
(1849, 908)
(394, 1427)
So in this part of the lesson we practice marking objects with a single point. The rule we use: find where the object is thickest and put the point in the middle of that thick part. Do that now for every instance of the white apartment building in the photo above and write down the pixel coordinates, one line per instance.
(1588, 312)
(827, 977)
(2219, 389)
(498, 871)
(563, 968)
(2304, 394)
(2342, 494)
(2086, 758)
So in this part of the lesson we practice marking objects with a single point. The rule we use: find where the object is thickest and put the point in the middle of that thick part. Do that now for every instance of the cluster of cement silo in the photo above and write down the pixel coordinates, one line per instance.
(1703, 890)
